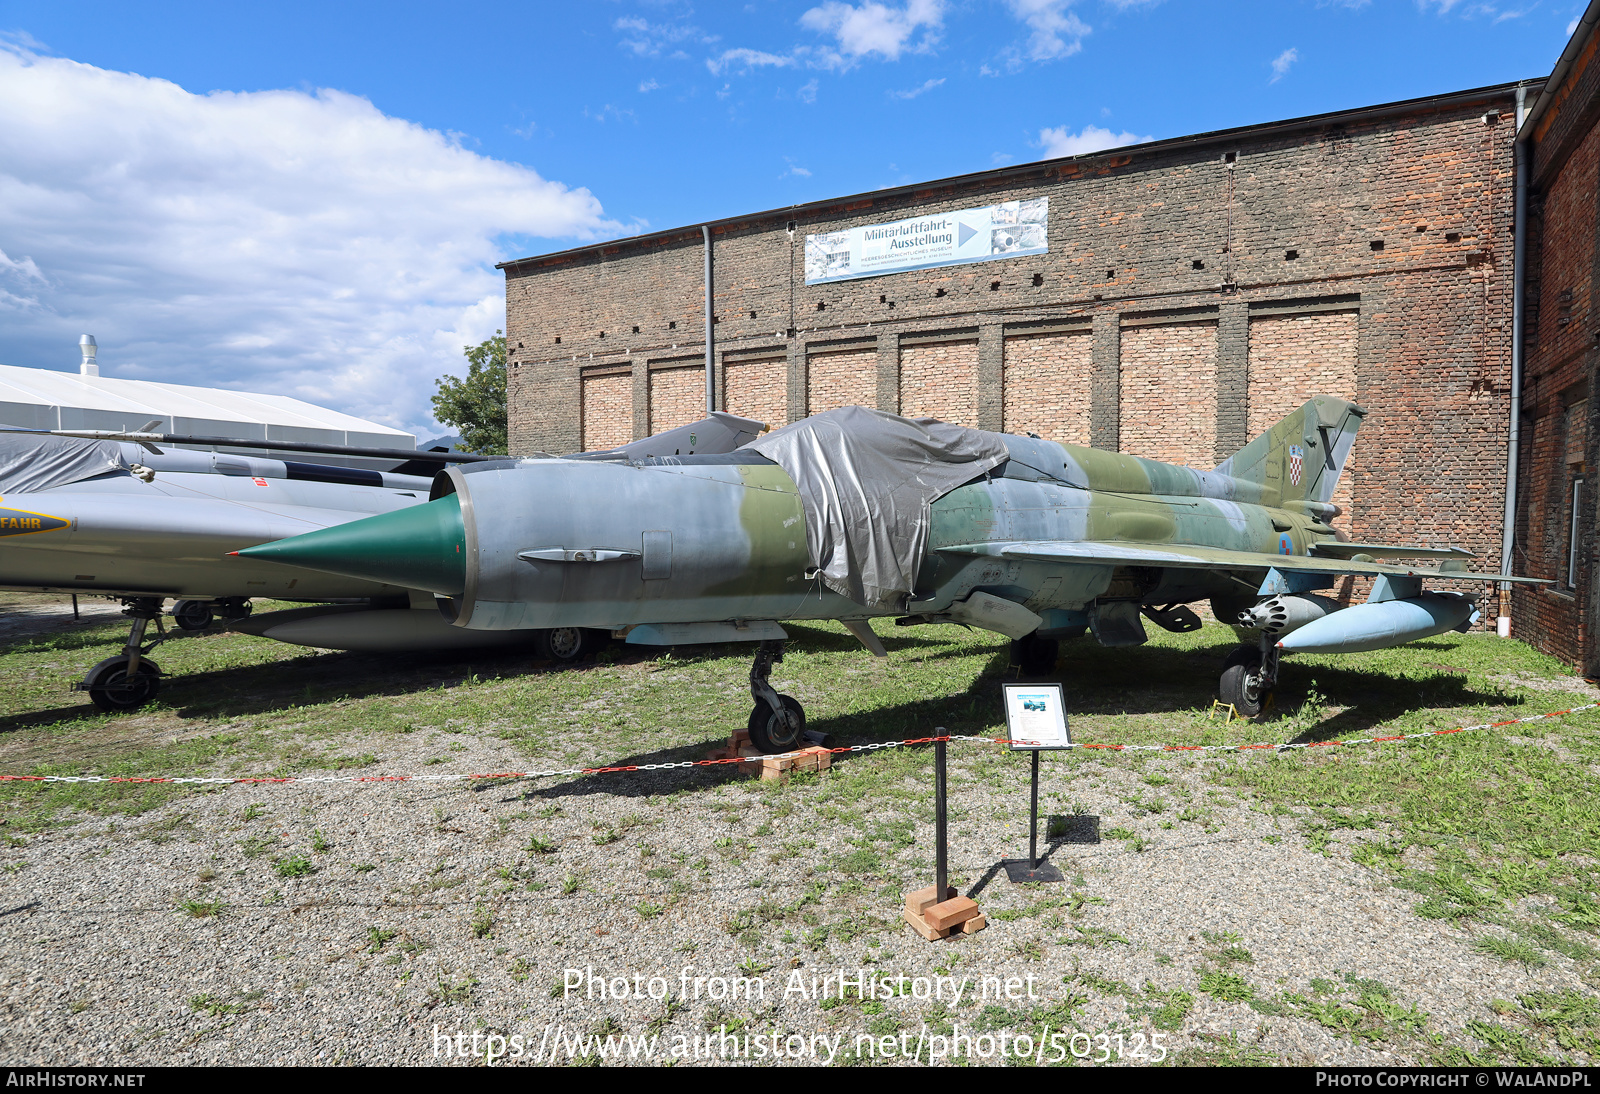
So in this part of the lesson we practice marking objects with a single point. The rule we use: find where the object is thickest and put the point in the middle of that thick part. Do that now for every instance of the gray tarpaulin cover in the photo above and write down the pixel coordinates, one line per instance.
(866, 482)
(30, 463)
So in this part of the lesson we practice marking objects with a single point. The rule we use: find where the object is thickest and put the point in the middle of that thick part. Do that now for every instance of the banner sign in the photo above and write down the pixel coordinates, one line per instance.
(1008, 230)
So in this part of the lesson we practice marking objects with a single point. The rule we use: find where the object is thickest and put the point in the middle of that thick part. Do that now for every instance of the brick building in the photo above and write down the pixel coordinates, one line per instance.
(1194, 291)
(1555, 526)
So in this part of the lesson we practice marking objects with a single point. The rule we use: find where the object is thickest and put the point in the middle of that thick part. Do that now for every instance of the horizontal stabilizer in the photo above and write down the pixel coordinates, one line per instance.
(1188, 556)
(1330, 549)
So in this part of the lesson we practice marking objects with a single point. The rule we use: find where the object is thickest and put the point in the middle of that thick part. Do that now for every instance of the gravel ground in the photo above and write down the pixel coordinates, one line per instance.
(174, 937)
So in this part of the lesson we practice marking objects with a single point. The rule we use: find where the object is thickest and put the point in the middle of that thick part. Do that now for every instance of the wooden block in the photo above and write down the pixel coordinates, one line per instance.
(922, 899)
(926, 931)
(973, 925)
(815, 758)
(952, 912)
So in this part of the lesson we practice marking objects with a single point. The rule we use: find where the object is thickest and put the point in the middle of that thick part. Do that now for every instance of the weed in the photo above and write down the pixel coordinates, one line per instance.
(295, 866)
(538, 846)
(201, 909)
(1226, 987)
(319, 842)
(378, 938)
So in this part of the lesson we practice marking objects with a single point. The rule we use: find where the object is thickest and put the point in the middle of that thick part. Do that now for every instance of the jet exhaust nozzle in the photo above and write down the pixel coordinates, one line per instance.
(1378, 626)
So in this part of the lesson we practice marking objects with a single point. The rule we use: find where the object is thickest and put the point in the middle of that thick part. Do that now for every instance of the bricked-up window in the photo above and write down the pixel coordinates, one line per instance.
(1045, 385)
(1168, 377)
(841, 378)
(607, 411)
(1292, 358)
(940, 380)
(1573, 533)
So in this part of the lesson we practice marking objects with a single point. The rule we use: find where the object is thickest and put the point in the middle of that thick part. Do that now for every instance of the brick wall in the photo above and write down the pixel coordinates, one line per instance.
(1168, 393)
(677, 397)
(1292, 358)
(1046, 385)
(846, 378)
(940, 380)
(755, 389)
(1561, 362)
(607, 411)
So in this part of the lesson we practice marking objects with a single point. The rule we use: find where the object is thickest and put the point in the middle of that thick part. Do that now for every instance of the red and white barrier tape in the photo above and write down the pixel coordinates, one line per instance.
(571, 771)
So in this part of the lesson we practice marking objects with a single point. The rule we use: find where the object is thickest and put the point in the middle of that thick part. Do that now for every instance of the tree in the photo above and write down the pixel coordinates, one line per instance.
(476, 406)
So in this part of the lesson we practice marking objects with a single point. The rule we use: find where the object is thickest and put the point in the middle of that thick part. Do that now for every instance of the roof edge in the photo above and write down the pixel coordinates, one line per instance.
(1309, 121)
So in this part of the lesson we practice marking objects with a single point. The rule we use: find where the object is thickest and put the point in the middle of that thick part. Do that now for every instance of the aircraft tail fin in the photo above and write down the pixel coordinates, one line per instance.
(1301, 457)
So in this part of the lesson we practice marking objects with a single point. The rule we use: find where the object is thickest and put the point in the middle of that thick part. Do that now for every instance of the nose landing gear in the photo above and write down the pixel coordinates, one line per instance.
(1248, 677)
(131, 680)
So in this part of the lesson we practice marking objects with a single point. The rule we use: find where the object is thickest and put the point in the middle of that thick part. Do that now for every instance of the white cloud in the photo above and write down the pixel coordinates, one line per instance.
(807, 91)
(1057, 31)
(927, 85)
(1281, 63)
(647, 86)
(299, 243)
(1060, 141)
(877, 28)
(646, 39)
(745, 59)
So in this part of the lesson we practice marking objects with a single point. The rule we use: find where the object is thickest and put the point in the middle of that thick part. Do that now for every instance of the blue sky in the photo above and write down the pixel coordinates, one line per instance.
(309, 198)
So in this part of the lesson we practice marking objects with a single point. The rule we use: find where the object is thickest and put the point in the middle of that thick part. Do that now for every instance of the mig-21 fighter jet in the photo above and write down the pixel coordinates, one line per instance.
(133, 517)
(854, 514)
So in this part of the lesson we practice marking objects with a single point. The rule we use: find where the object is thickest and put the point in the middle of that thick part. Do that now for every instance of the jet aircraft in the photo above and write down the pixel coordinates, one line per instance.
(129, 516)
(854, 514)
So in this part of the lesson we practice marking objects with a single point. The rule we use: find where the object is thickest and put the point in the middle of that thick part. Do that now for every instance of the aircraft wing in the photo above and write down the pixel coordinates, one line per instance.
(1190, 556)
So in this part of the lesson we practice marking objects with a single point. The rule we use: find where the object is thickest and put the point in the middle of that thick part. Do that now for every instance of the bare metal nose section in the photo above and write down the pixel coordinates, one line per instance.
(421, 547)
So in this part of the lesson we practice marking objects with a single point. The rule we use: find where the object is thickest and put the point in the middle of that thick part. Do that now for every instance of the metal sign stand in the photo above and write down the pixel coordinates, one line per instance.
(1040, 707)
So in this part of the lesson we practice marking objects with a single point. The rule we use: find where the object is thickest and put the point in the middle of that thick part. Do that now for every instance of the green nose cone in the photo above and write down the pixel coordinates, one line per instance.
(422, 547)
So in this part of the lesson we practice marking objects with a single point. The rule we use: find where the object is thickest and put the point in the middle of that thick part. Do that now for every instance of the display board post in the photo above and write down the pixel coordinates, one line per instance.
(1036, 720)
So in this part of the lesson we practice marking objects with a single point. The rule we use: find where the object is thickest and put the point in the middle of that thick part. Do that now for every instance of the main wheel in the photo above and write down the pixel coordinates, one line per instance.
(1034, 655)
(772, 733)
(1242, 682)
(192, 615)
(235, 608)
(111, 689)
(569, 645)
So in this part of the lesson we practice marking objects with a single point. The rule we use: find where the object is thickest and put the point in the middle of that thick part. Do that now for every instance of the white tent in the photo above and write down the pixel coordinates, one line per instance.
(39, 398)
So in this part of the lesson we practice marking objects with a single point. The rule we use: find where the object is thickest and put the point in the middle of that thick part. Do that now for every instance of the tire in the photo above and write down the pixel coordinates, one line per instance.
(770, 734)
(192, 615)
(110, 689)
(235, 608)
(570, 645)
(1241, 682)
(1035, 656)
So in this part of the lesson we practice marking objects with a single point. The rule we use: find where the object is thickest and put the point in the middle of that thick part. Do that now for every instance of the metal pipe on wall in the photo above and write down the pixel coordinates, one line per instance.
(711, 326)
(1518, 292)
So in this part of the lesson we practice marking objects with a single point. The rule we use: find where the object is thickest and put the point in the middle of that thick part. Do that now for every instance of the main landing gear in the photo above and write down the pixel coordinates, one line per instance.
(1249, 675)
(129, 681)
(778, 722)
(1035, 656)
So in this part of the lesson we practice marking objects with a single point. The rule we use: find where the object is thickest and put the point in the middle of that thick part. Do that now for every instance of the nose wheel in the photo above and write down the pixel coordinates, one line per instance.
(778, 722)
(1248, 677)
(132, 680)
